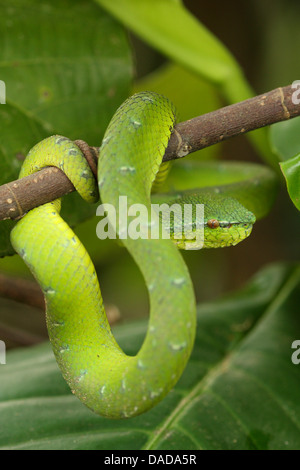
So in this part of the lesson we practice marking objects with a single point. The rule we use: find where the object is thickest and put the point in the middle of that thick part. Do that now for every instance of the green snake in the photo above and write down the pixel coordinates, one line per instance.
(98, 372)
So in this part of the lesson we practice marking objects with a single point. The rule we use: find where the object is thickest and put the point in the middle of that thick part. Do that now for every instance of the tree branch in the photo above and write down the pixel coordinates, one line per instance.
(18, 197)
(232, 121)
(29, 293)
(21, 290)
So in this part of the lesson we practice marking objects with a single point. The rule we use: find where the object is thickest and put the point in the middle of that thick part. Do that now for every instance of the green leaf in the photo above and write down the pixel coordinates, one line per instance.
(169, 27)
(291, 170)
(284, 138)
(239, 390)
(66, 63)
(285, 141)
(67, 67)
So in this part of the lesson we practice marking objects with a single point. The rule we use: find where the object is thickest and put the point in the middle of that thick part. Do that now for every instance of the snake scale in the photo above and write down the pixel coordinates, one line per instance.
(101, 375)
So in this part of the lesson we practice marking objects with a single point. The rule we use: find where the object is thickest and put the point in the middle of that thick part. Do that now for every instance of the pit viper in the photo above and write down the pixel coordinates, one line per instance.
(98, 372)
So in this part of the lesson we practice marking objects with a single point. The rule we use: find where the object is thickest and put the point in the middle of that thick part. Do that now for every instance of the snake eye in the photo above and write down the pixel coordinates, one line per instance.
(213, 223)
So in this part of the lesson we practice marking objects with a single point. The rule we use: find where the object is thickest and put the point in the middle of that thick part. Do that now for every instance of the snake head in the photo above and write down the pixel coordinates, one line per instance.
(223, 221)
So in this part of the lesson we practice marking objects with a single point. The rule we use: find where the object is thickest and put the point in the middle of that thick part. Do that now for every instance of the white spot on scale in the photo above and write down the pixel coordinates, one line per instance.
(177, 346)
(140, 365)
(82, 375)
(123, 385)
(101, 182)
(154, 394)
(106, 139)
(58, 323)
(127, 169)
(178, 281)
(135, 123)
(49, 291)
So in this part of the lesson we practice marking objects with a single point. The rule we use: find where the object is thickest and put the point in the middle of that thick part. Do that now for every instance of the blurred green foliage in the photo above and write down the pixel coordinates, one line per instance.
(81, 87)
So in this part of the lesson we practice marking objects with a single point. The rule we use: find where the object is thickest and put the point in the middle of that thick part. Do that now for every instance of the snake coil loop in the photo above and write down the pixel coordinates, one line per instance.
(105, 379)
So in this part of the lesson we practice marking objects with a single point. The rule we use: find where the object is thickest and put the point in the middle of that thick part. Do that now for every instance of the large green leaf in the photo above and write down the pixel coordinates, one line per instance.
(285, 140)
(158, 23)
(291, 170)
(239, 391)
(67, 67)
(168, 26)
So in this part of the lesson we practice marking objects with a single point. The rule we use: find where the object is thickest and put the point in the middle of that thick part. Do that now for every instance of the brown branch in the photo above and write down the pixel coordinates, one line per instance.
(29, 293)
(21, 290)
(18, 197)
(232, 121)
(19, 337)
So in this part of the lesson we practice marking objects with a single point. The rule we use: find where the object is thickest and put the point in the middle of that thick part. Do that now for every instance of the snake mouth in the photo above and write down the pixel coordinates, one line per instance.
(227, 225)
(227, 234)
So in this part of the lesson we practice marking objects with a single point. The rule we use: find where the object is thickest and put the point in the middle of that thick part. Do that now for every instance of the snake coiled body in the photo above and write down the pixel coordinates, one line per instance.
(105, 379)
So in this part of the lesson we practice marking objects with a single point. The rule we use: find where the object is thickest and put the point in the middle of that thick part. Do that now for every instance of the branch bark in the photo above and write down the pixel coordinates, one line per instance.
(18, 197)
(21, 290)
(232, 121)
(29, 293)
